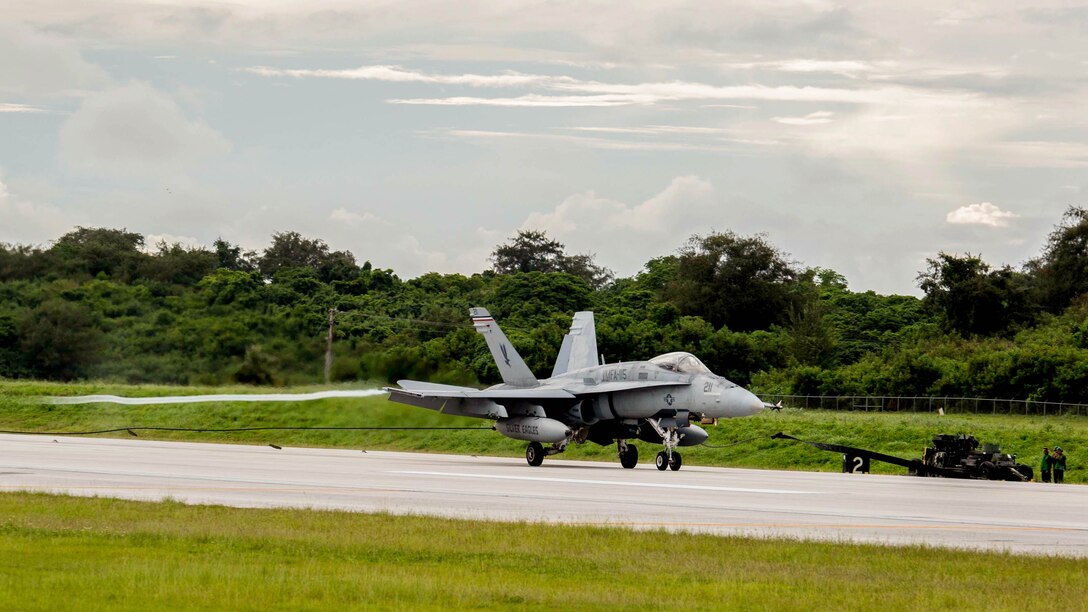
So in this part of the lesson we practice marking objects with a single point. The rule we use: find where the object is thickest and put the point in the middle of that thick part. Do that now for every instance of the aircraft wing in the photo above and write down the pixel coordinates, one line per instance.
(466, 401)
(422, 389)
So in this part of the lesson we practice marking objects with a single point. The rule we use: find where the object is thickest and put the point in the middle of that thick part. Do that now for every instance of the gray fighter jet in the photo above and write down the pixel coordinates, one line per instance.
(654, 401)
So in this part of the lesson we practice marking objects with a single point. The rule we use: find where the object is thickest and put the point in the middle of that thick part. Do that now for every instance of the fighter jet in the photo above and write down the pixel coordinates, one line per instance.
(655, 401)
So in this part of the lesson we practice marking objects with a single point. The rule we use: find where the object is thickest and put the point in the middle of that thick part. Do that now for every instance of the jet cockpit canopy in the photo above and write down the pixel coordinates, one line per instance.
(681, 362)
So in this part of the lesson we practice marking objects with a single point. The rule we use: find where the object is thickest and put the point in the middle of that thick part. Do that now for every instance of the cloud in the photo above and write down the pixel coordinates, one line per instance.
(152, 242)
(29, 223)
(606, 143)
(843, 67)
(596, 93)
(352, 219)
(1040, 154)
(531, 100)
(983, 213)
(33, 63)
(816, 118)
(625, 236)
(397, 74)
(136, 129)
(7, 107)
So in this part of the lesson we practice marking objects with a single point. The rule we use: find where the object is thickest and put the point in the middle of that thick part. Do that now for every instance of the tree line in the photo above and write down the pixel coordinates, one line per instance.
(97, 303)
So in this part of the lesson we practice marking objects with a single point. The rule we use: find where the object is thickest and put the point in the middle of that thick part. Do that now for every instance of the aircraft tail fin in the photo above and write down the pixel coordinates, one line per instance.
(511, 366)
(579, 348)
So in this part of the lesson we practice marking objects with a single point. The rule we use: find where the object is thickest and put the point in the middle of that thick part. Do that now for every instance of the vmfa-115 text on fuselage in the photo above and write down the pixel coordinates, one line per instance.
(654, 401)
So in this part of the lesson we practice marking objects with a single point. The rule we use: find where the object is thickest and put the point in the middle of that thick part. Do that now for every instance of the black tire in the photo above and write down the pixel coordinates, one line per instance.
(662, 461)
(676, 462)
(1026, 472)
(629, 459)
(986, 470)
(534, 453)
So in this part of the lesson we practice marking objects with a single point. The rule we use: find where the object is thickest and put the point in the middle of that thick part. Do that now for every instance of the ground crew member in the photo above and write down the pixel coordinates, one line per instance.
(1057, 462)
(1044, 469)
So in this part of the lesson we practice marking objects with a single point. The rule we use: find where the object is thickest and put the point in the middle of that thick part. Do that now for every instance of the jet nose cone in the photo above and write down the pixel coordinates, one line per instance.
(741, 402)
(753, 403)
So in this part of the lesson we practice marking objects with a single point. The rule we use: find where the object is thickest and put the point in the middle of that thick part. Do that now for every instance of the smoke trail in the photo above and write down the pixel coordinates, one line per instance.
(230, 397)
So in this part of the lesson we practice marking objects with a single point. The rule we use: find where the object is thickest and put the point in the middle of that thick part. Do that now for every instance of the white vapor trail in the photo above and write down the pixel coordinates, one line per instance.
(230, 397)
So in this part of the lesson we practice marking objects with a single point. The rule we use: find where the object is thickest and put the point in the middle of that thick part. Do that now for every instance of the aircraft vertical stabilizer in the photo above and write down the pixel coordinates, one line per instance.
(579, 348)
(512, 368)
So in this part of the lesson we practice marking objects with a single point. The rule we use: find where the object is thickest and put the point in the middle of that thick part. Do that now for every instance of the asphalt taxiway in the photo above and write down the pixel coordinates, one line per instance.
(1019, 517)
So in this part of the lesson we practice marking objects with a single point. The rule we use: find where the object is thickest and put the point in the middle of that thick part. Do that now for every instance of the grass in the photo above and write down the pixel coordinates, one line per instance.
(61, 552)
(901, 434)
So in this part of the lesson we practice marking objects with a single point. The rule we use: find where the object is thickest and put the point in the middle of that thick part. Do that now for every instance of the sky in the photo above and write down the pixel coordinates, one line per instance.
(863, 137)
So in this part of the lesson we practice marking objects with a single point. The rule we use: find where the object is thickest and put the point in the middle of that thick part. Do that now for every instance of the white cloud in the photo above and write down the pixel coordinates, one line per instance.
(29, 223)
(530, 100)
(397, 74)
(7, 107)
(983, 213)
(596, 93)
(33, 63)
(846, 68)
(152, 242)
(353, 219)
(612, 144)
(1040, 154)
(624, 236)
(816, 118)
(136, 129)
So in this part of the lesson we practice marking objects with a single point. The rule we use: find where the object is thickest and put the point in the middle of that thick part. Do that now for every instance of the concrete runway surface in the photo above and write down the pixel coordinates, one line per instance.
(1019, 517)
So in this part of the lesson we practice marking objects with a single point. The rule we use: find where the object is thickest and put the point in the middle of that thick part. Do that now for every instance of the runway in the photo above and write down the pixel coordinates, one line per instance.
(1018, 517)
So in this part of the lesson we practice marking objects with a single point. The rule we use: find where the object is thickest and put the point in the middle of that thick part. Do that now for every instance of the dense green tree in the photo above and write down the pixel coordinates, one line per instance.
(1062, 270)
(658, 273)
(533, 251)
(59, 339)
(24, 262)
(741, 282)
(232, 257)
(257, 368)
(94, 251)
(228, 286)
(528, 251)
(12, 360)
(338, 266)
(972, 298)
(532, 297)
(177, 265)
(292, 250)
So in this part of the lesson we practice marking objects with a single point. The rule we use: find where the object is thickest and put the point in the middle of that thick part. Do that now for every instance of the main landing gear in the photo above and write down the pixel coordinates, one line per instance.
(628, 454)
(535, 452)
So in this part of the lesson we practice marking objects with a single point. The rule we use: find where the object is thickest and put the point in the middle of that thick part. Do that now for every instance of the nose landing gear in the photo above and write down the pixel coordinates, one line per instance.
(670, 436)
(667, 460)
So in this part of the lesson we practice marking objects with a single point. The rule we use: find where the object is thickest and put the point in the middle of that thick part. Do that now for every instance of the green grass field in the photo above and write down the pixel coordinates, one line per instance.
(901, 434)
(82, 553)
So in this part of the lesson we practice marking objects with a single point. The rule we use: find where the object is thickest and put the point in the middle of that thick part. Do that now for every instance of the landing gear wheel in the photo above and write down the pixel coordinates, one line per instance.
(534, 454)
(662, 461)
(629, 459)
(676, 461)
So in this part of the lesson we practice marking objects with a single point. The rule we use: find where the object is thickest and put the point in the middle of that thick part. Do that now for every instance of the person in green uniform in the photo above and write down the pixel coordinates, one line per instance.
(1057, 463)
(1044, 468)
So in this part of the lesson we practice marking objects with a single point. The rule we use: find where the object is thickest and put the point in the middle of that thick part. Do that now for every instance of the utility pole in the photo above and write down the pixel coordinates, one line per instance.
(328, 346)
